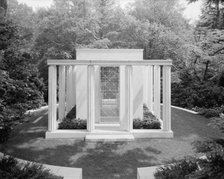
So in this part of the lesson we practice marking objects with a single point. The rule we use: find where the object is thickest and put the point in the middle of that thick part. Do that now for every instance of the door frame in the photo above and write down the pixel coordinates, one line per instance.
(101, 97)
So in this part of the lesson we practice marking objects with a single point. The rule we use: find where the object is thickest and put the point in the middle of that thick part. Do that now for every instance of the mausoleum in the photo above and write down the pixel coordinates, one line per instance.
(108, 88)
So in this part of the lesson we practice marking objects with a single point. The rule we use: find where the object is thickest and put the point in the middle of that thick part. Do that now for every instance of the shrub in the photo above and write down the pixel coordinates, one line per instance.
(20, 86)
(68, 123)
(218, 122)
(4, 133)
(202, 95)
(211, 166)
(137, 124)
(149, 120)
(146, 124)
(211, 112)
(179, 170)
(9, 168)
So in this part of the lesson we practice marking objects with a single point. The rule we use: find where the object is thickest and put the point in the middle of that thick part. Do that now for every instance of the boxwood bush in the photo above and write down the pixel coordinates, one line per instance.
(68, 123)
(146, 124)
(211, 112)
(149, 120)
(11, 169)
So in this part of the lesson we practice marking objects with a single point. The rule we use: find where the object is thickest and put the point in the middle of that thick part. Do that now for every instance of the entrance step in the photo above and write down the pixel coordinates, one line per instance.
(109, 137)
(104, 128)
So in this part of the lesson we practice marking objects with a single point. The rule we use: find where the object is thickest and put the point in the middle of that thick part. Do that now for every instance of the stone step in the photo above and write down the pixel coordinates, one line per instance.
(109, 137)
(108, 128)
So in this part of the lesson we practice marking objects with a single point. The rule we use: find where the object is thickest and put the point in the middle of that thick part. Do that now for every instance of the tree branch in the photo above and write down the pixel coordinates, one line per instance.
(217, 51)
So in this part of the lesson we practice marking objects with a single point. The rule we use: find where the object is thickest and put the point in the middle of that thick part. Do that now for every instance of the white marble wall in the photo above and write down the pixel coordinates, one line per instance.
(110, 54)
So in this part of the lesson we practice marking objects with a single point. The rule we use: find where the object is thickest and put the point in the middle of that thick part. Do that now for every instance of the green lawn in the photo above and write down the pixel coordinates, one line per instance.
(107, 159)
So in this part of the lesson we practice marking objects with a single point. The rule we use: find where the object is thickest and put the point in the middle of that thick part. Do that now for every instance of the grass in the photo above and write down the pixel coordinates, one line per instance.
(108, 159)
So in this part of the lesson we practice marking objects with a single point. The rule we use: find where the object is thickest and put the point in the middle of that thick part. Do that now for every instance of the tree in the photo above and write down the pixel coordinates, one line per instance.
(212, 14)
(209, 37)
(20, 86)
(3, 8)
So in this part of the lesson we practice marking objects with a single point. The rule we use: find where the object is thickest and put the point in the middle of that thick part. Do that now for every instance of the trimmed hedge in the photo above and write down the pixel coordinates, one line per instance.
(149, 120)
(146, 124)
(68, 123)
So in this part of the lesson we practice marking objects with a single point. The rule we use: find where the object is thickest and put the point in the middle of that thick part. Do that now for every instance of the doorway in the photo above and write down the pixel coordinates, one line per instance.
(109, 95)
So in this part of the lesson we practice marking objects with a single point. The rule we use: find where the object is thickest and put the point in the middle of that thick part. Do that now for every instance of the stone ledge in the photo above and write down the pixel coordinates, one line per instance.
(65, 172)
(184, 109)
(146, 172)
(112, 137)
(137, 133)
(75, 134)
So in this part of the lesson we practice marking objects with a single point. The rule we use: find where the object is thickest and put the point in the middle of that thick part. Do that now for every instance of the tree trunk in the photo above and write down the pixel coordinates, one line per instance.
(206, 70)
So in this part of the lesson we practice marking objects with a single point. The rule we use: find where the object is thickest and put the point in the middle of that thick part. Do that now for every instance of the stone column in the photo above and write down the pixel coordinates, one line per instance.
(130, 96)
(52, 98)
(91, 98)
(61, 92)
(166, 98)
(157, 91)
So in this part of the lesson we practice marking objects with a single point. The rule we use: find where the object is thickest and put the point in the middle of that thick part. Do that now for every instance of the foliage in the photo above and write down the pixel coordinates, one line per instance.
(10, 168)
(179, 170)
(212, 14)
(146, 124)
(20, 86)
(149, 120)
(192, 92)
(7, 34)
(72, 24)
(218, 122)
(70, 121)
(210, 166)
(74, 123)
(210, 112)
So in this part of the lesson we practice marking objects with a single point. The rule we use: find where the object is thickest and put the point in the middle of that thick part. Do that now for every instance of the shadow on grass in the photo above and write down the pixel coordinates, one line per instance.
(97, 159)
(105, 159)
(104, 162)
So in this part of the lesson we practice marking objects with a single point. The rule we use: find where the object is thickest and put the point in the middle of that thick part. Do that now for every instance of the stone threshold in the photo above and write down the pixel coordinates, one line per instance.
(110, 135)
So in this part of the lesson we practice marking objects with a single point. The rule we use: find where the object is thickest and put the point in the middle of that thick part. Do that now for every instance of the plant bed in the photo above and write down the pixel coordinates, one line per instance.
(70, 121)
(180, 169)
(10, 168)
(149, 120)
(210, 112)
(209, 166)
